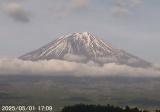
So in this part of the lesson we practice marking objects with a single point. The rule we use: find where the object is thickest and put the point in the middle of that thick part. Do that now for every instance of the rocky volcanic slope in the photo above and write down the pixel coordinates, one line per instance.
(84, 46)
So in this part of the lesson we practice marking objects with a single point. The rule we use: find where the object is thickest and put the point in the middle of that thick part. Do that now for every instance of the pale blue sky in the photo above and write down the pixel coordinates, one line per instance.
(133, 25)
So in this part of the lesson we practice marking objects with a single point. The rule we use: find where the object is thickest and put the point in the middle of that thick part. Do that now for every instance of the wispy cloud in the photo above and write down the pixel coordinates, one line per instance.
(78, 4)
(120, 11)
(17, 12)
(107, 59)
(136, 2)
(57, 67)
(123, 7)
(70, 7)
(59, 15)
(74, 58)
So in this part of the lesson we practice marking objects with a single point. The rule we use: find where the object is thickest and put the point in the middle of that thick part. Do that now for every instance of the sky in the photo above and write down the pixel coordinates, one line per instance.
(132, 25)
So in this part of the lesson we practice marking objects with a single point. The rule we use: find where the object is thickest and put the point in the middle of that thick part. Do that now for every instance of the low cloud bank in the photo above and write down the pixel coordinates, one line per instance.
(14, 66)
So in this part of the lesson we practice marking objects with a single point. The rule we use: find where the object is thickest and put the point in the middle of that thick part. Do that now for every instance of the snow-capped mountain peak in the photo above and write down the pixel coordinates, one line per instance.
(83, 46)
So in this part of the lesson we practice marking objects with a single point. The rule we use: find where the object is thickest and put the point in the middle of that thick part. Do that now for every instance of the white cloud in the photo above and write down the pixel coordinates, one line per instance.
(107, 59)
(156, 66)
(74, 58)
(132, 60)
(17, 12)
(60, 68)
(92, 63)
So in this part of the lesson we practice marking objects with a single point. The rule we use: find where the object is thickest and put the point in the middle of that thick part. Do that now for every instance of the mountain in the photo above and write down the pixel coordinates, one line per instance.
(83, 47)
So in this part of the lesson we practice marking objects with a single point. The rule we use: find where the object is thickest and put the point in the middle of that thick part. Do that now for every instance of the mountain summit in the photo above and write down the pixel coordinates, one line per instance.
(84, 47)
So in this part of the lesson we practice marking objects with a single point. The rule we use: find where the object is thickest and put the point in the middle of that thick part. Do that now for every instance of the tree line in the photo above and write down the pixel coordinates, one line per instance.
(100, 108)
